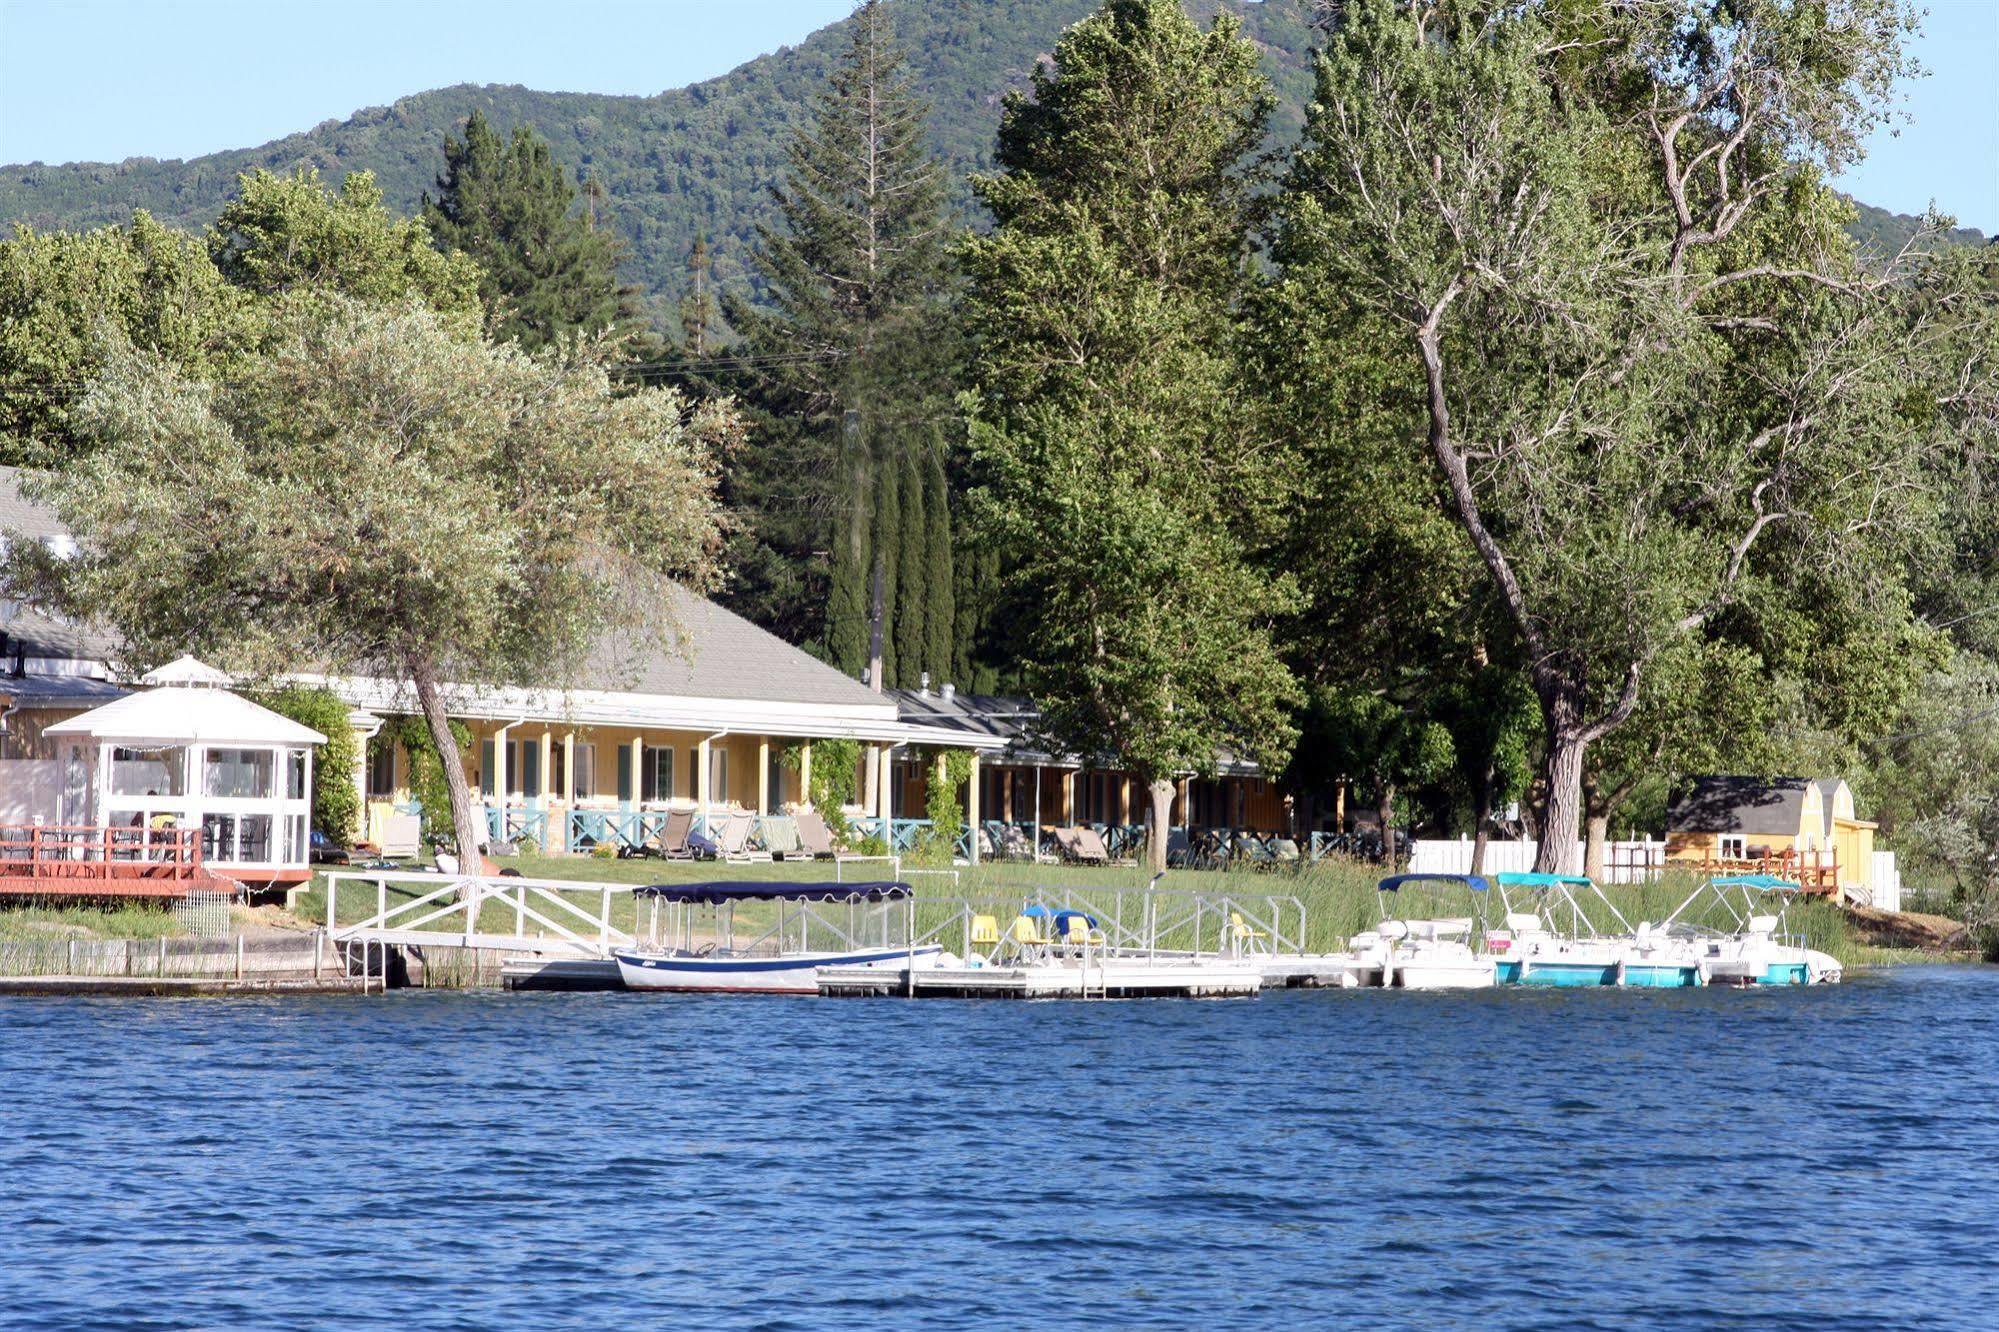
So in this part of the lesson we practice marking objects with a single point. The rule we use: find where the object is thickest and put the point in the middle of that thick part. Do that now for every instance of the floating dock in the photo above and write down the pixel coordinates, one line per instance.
(1114, 978)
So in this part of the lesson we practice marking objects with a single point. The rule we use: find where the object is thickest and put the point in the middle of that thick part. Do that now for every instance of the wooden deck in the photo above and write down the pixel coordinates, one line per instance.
(103, 862)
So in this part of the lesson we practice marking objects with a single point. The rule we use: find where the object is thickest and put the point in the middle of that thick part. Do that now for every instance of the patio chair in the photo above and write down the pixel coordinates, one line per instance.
(1241, 937)
(732, 838)
(984, 937)
(1251, 850)
(1078, 931)
(814, 836)
(402, 837)
(1012, 840)
(1087, 846)
(672, 842)
(780, 837)
(1028, 938)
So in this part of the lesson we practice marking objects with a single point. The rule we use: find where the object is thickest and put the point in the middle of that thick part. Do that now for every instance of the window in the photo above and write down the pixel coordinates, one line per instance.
(557, 771)
(381, 768)
(586, 771)
(253, 838)
(718, 775)
(238, 774)
(218, 837)
(1733, 848)
(295, 774)
(142, 772)
(776, 780)
(656, 774)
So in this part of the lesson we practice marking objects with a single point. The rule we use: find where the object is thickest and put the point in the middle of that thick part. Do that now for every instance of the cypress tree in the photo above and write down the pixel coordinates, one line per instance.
(912, 595)
(885, 567)
(546, 270)
(854, 346)
(940, 618)
(697, 308)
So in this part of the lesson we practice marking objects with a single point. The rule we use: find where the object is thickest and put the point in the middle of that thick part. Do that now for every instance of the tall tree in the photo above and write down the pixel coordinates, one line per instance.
(912, 571)
(545, 269)
(1654, 382)
(1103, 306)
(940, 616)
(376, 491)
(699, 317)
(850, 371)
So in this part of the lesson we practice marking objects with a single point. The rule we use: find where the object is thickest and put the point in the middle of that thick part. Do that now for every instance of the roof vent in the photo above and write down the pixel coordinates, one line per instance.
(923, 683)
(948, 690)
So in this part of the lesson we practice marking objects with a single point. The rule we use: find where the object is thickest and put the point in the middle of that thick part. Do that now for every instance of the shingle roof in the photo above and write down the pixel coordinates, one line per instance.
(719, 655)
(1760, 807)
(22, 515)
(1012, 719)
(29, 633)
(58, 691)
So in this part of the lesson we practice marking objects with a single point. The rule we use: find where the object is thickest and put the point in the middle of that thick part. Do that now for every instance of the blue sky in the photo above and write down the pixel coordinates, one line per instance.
(103, 80)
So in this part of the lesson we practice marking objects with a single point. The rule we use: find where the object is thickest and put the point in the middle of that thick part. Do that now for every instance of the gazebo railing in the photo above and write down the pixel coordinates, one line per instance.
(71, 852)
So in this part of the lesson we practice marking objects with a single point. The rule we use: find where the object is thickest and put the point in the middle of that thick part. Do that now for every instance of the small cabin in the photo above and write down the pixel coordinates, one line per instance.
(1800, 827)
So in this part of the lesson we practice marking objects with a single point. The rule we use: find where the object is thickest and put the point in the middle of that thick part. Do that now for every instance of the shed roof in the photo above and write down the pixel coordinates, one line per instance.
(1758, 806)
(180, 716)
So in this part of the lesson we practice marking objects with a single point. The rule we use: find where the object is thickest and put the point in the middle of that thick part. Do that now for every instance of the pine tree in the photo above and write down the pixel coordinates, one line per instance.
(940, 619)
(547, 270)
(697, 308)
(912, 591)
(852, 362)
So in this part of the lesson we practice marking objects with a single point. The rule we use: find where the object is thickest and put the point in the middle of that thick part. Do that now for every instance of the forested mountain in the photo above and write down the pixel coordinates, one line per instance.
(693, 161)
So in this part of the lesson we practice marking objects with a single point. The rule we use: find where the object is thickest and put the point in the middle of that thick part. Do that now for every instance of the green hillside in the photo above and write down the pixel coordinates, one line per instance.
(694, 160)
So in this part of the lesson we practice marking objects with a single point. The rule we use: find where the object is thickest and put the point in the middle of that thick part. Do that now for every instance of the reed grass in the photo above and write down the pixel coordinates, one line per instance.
(35, 921)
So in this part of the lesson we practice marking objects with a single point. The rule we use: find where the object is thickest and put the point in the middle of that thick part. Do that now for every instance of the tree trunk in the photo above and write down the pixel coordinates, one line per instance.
(1562, 801)
(1384, 813)
(423, 673)
(1481, 814)
(1162, 818)
(1598, 826)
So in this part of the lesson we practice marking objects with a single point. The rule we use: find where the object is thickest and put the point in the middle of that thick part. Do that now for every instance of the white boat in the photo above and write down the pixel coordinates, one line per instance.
(692, 945)
(1750, 946)
(1424, 953)
(743, 973)
(1556, 942)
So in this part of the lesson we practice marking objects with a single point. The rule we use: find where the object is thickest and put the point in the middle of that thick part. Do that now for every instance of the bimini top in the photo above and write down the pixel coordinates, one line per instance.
(1542, 880)
(1765, 882)
(715, 894)
(1476, 882)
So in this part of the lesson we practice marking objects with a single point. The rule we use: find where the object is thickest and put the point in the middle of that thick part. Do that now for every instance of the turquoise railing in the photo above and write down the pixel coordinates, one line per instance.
(510, 825)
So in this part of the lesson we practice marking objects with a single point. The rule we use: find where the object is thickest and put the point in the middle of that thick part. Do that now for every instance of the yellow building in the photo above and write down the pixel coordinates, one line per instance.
(1796, 826)
(700, 724)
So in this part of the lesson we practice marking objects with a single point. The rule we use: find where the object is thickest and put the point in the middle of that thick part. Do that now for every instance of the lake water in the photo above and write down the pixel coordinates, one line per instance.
(1822, 1159)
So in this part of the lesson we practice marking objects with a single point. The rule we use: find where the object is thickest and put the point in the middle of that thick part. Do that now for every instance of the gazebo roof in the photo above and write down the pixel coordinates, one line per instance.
(177, 715)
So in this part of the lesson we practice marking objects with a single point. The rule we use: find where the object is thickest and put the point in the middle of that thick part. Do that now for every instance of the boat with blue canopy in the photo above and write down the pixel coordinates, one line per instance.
(1743, 940)
(694, 945)
(1560, 930)
(1423, 951)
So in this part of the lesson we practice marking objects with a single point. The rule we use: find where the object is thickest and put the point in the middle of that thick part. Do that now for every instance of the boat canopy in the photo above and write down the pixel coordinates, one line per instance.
(1476, 882)
(1543, 880)
(1766, 882)
(716, 894)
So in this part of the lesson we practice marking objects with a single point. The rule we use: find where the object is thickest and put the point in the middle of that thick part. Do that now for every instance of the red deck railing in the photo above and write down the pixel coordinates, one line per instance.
(63, 859)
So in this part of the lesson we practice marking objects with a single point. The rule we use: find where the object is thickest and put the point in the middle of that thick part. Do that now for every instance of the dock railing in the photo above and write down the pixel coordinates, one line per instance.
(1132, 922)
(471, 911)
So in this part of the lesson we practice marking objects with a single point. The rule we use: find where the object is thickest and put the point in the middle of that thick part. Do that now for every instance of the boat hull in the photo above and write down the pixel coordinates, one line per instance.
(1472, 974)
(792, 973)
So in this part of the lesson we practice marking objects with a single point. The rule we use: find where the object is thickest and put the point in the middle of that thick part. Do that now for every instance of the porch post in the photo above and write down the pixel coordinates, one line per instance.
(885, 787)
(568, 784)
(763, 775)
(1068, 797)
(871, 780)
(701, 793)
(972, 811)
(638, 764)
(1124, 800)
(805, 773)
(1037, 813)
(547, 742)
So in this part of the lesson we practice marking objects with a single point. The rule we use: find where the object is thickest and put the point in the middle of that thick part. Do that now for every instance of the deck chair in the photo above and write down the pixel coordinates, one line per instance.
(672, 842)
(815, 838)
(402, 836)
(984, 937)
(732, 838)
(1012, 840)
(780, 837)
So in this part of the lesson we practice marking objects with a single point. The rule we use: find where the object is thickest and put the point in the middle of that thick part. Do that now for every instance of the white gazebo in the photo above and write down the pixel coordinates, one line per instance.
(191, 755)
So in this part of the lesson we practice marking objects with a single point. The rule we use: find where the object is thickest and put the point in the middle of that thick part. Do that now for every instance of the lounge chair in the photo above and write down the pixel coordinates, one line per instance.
(731, 835)
(673, 840)
(814, 837)
(402, 837)
(780, 837)
(1011, 840)
(1082, 845)
(1179, 849)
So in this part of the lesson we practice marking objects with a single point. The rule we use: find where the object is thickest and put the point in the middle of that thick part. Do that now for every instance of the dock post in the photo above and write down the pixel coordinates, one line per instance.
(318, 944)
(70, 966)
(909, 943)
(239, 955)
(161, 970)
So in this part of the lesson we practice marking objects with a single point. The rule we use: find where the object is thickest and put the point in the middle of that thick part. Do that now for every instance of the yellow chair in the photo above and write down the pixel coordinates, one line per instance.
(1027, 935)
(1076, 930)
(1239, 929)
(985, 934)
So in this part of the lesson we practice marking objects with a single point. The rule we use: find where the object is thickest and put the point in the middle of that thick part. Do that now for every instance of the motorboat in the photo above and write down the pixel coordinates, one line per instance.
(1751, 944)
(693, 944)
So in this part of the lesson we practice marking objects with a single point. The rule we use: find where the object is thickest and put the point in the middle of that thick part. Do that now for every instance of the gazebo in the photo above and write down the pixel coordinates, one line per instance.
(178, 779)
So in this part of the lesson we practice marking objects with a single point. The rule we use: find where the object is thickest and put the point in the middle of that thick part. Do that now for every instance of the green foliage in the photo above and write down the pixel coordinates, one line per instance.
(835, 772)
(950, 770)
(545, 270)
(427, 783)
(336, 806)
(291, 234)
(1101, 307)
(68, 301)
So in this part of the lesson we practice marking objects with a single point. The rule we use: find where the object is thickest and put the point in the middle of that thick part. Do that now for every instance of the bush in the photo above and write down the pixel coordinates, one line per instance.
(336, 806)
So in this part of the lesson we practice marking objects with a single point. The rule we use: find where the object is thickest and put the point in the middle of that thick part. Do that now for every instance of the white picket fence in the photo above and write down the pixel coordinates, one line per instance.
(1624, 862)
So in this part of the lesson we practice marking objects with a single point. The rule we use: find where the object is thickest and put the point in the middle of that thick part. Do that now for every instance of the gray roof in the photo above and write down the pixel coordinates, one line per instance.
(58, 691)
(27, 632)
(21, 515)
(718, 654)
(1756, 806)
(1013, 719)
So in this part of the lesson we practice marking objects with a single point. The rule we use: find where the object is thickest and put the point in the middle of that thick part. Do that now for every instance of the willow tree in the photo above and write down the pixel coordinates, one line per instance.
(1654, 381)
(377, 493)
(1119, 475)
